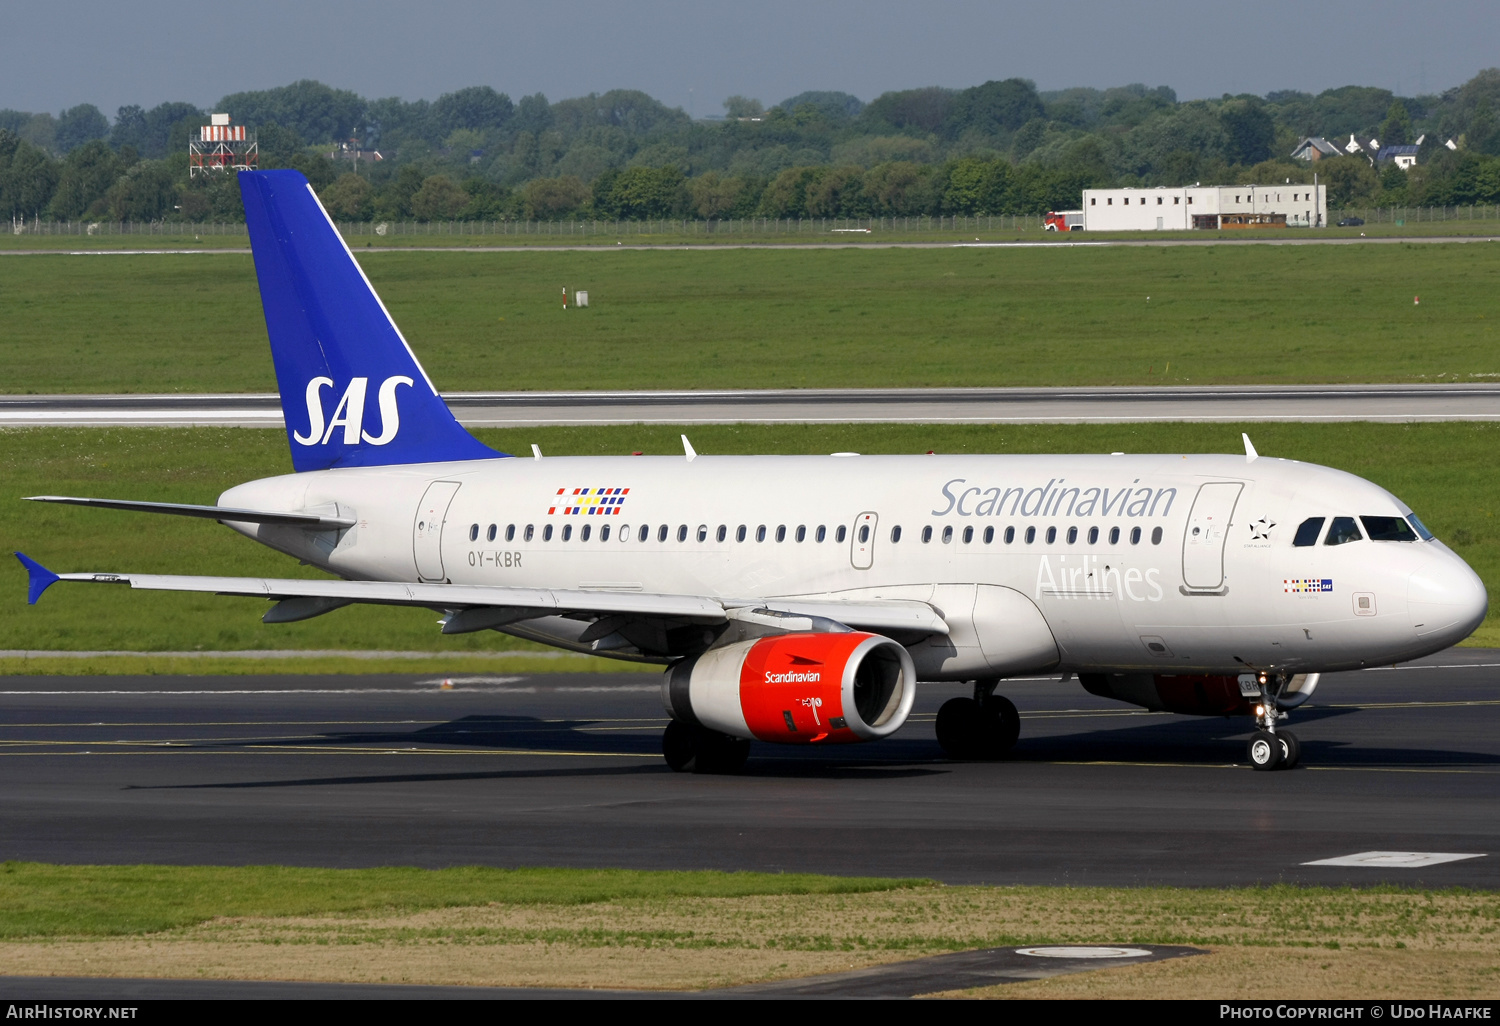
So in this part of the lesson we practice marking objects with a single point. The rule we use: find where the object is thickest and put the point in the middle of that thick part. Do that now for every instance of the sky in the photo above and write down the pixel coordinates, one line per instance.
(694, 55)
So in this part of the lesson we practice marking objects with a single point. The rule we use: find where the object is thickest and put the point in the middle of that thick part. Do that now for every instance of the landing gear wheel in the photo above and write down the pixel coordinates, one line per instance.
(679, 745)
(967, 729)
(1000, 726)
(1291, 749)
(689, 748)
(1264, 750)
(957, 728)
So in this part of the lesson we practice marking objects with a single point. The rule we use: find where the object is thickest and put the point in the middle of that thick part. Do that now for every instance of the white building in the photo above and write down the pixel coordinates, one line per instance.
(1221, 206)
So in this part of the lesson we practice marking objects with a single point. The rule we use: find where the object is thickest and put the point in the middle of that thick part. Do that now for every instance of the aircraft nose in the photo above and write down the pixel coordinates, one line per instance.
(1447, 600)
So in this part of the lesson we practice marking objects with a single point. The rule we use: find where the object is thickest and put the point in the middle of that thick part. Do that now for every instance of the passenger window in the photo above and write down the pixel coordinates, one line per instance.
(722, 534)
(529, 530)
(1030, 535)
(1010, 535)
(702, 533)
(661, 533)
(567, 532)
(739, 534)
(644, 533)
(1342, 531)
(604, 533)
(682, 532)
(547, 533)
(947, 535)
(1307, 532)
(510, 532)
(473, 532)
(1093, 536)
(760, 533)
(864, 533)
(989, 535)
(926, 535)
(968, 535)
(1051, 535)
(1072, 535)
(839, 535)
(802, 532)
(822, 533)
(1135, 536)
(781, 533)
(1114, 536)
(490, 534)
(1156, 536)
(1388, 529)
(583, 535)
(896, 534)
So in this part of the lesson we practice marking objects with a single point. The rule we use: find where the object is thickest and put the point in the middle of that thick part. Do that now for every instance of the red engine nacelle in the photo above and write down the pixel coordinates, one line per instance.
(796, 688)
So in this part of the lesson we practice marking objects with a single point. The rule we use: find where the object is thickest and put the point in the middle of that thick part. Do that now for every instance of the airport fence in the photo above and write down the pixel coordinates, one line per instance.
(754, 226)
(1417, 215)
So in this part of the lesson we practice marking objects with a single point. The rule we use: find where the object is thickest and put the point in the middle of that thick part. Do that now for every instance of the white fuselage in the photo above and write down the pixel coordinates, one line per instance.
(1131, 563)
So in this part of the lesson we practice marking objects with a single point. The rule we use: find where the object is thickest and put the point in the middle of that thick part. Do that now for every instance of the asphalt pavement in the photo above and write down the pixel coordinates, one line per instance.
(565, 770)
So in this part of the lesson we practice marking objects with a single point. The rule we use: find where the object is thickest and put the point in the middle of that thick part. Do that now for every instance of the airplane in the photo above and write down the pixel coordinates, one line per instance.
(800, 599)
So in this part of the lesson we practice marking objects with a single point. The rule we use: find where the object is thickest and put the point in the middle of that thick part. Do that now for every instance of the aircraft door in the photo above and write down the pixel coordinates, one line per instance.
(1207, 530)
(427, 529)
(862, 542)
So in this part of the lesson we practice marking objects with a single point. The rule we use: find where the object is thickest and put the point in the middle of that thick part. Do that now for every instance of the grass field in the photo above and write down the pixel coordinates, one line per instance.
(779, 318)
(1445, 471)
(683, 930)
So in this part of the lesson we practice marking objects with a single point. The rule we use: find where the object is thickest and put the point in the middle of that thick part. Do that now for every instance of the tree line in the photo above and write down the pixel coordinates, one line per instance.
(1001, 147)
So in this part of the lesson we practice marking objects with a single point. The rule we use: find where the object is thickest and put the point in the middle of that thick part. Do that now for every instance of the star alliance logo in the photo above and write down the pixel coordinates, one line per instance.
(1260, 530)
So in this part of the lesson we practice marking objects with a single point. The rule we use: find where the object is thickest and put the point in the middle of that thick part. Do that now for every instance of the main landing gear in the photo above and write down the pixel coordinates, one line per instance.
(983, 727)
(690, 748)
(1269, 748)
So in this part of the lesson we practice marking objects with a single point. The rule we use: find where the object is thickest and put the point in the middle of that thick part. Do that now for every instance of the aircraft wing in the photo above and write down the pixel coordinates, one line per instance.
(477, 607)
(244, 516)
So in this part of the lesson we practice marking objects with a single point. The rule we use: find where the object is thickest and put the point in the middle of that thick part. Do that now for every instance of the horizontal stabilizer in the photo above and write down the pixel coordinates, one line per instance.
(39, 578)
(241, 516)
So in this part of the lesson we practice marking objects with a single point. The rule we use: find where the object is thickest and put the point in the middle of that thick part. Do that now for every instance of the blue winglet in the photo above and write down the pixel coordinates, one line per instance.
(40, 578)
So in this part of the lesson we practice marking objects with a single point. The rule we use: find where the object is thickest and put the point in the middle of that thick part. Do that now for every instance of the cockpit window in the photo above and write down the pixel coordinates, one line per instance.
(1388, 529)
(1308, 533)
(1344, 530)
(1421, 528)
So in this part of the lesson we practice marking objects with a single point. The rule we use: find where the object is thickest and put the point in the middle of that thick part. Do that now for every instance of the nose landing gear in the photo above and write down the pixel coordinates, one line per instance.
(1269, 748)
(983, 727)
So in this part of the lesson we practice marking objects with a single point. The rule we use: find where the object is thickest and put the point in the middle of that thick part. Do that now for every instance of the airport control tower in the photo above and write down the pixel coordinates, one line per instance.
(219, 147)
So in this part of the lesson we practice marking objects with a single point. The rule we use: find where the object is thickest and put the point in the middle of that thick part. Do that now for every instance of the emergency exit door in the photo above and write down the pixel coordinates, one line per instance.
(427, 529)
(862, 542)
(1207, 531)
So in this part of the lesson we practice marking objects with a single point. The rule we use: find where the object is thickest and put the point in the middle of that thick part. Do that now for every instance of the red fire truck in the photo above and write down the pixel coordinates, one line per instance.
(1063, 221)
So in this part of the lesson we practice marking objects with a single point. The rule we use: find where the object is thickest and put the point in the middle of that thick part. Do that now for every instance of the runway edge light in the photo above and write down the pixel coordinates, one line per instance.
(39, 578)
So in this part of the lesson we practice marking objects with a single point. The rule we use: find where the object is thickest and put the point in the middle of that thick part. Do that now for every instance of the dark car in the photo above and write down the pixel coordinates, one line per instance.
(1351, 222)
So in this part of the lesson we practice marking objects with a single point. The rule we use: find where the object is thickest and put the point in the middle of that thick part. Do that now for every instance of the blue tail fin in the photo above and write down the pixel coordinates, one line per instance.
(351, 390)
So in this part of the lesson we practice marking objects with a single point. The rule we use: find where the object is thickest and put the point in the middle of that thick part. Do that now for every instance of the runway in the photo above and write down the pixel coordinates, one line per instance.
(1470, 401)
(565, 770)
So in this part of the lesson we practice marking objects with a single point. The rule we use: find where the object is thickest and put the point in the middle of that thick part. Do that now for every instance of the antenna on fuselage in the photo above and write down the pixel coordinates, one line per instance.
(536, 451)
(688, 450)
(1250, 454)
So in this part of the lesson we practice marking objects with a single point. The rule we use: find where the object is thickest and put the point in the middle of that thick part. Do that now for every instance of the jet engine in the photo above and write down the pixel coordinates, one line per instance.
(809, 688)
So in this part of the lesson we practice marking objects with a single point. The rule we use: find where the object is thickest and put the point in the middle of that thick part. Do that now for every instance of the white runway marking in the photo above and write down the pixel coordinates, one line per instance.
(1083, 952)
(1396, 859)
